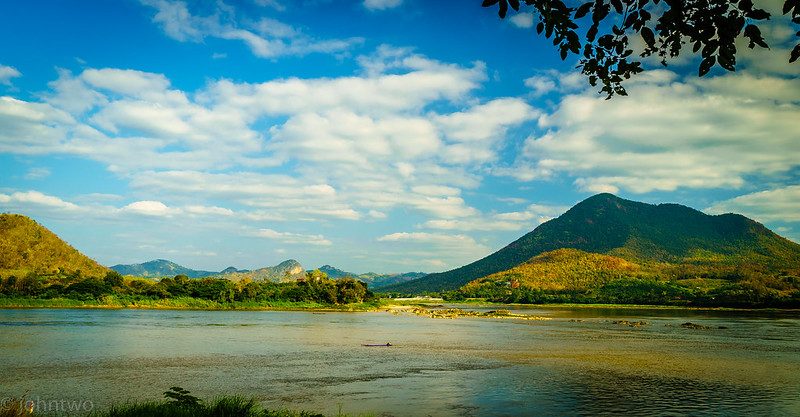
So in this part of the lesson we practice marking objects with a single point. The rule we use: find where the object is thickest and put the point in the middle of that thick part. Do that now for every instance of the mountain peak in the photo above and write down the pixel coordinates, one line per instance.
(635, 231)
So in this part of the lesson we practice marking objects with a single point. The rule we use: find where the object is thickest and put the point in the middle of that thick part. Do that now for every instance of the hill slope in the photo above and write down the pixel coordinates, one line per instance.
(160, 268)
(564, 269)
(27, 246)
(633, 231)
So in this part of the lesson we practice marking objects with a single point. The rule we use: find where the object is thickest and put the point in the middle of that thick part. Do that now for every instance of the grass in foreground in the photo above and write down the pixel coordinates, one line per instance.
(178, 403)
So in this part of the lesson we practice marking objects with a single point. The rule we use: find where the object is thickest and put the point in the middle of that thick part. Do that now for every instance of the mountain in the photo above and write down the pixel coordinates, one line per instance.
(288, 270)
(632, 231)
(160, 268)
(27, 246)
(373, 279)
(383, 280)
(335, 273)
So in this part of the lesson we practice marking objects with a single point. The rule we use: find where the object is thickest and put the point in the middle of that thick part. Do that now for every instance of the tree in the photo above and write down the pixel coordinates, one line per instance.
(711, 27)
(114, 279)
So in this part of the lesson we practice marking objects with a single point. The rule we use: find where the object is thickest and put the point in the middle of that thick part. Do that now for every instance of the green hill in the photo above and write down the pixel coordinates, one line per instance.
(27, 246)
(636, 232)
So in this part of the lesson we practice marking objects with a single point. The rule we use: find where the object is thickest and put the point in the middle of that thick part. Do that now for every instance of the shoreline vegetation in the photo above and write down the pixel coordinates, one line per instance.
(421, 306)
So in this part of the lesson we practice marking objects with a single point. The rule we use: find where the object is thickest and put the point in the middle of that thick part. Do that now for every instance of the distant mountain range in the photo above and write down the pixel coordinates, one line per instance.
(160, 268)
(26, 246)
(634, 232)
(286, 270)
(289, 270)
(373, 279)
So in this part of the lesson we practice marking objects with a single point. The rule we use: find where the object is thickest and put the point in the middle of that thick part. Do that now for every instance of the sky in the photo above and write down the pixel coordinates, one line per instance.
(372, 135)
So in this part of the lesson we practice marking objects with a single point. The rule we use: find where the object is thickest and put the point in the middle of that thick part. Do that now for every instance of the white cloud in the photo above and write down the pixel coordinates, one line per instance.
(149, 208)
(382, 4)
(440, 251)
(36, 199)
(666, 135)
(266, 38)
(37, 173)
(474, 134)
(522, 20)
(346, 148)
(779, 204)
(540, 85)
(528, 219)
(291, 238)
(7, 73)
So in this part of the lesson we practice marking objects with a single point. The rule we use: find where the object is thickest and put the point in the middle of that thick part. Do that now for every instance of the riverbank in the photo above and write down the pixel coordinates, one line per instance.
(182, 303)
(436, 308)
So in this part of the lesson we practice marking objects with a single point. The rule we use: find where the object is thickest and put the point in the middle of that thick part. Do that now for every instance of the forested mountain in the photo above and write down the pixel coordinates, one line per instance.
(636, 232)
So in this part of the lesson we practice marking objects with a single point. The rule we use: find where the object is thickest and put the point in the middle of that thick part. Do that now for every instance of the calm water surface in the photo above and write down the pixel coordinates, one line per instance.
(578, 363)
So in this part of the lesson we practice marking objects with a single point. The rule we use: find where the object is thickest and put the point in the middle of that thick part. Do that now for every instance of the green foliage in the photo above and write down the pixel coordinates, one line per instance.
(606, 53)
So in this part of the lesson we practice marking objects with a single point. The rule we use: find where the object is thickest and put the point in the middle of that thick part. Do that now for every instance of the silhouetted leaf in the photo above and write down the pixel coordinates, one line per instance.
(648, 36)
(706, 65)
(583, 10)
(514, 4)
(795, 54)
(758, 14)
(487, 3)
(503, 9)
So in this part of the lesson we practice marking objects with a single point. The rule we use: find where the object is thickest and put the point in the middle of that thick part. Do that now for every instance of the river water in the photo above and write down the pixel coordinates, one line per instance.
(578, 363)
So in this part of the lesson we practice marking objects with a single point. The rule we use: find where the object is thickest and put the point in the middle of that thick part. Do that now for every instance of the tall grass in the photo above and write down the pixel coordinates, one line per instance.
(221, 407)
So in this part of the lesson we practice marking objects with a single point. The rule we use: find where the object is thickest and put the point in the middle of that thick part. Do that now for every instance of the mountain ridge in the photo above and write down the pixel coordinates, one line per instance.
(634, 231)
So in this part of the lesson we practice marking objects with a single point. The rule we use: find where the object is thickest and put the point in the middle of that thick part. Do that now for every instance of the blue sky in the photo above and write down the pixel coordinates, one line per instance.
(373, 135)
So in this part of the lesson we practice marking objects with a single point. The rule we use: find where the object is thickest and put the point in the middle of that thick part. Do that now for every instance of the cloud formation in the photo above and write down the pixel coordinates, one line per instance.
(266, 37)
(703, 134)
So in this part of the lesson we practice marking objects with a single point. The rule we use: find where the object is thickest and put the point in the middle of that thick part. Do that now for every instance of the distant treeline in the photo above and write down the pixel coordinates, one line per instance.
(315, 287)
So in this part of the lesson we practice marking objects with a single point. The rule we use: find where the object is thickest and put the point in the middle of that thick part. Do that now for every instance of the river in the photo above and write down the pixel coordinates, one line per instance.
(580, 362)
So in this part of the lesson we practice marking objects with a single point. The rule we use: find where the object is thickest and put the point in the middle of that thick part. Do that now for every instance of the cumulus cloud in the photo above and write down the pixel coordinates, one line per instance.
(779, 204)
(667, 135)
(405, 132)
(266, 38)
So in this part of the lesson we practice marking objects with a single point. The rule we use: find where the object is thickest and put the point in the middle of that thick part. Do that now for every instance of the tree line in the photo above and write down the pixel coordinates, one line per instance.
(314, 287)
